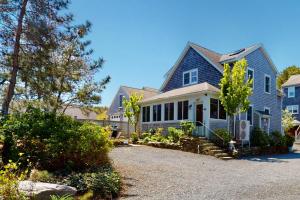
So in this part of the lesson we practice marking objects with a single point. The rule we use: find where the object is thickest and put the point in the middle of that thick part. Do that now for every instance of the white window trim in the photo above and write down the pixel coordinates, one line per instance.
(251, 69)
(292, 87)
(266, 75)
(292, 108)
(190, 76)
(157, 112)
(267, 108)
(251, 105)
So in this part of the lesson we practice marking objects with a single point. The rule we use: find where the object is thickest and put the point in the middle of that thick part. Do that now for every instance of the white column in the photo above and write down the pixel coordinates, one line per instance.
(206, 111)
(151, 113)
(162, 112)
(175, 110)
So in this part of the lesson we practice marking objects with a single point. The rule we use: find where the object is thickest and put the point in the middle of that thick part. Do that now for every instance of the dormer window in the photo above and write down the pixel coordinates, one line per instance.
(291, 92)
(190, 77)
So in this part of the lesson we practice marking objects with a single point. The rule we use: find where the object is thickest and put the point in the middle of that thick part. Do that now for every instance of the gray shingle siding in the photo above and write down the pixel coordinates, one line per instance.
(208, 73)
(292, 101)
(259, 99)
(114, 107)
(192, 60)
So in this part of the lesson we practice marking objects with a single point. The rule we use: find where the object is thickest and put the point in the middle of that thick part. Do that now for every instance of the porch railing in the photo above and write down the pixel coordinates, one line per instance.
(202, 129)
(297, 134)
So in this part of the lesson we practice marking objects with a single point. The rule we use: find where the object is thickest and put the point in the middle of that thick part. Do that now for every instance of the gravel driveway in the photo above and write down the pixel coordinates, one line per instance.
(152, 173)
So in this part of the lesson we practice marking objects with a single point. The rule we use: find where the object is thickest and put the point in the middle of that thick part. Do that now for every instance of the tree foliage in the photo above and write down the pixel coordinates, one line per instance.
(132, 109)
(287, 120)
(44, 55)
(286, 74)
(235, 88)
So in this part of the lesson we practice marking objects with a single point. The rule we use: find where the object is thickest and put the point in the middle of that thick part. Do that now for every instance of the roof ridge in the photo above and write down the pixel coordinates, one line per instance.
(205, 48)
(137, 88)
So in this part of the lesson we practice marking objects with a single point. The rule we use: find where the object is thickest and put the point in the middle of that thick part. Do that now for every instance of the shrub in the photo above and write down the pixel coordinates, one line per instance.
(104, 183)
(10, 176)
(134, 137)
(187, 127)
(277, 139)
(41, 176)
(66, 197)
(56, 141)
(159, 131)
(224, 134)
(259, 138)
(144, 135)
(289, 140)
(174, 134)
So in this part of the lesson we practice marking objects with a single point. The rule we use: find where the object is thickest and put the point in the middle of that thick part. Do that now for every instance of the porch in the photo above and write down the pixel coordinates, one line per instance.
(197, 103)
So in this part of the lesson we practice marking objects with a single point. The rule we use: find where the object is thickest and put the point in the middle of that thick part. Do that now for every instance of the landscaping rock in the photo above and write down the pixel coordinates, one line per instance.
(43, 191)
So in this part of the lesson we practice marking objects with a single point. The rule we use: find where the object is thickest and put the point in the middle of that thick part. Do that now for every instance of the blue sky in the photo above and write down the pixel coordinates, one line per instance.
(141, 39)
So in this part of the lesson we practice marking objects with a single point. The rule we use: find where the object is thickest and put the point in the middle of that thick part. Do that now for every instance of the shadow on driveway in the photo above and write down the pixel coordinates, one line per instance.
(281, 158)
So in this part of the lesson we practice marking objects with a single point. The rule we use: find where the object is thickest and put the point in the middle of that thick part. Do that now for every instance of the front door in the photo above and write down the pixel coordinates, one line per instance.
(199, 114)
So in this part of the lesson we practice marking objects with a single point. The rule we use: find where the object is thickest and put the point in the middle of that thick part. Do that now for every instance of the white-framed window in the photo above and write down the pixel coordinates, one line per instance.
(183, 110)
(250, 75)
(190, 77)
(267, 110)
(291, 92)
(267, 84)
(156, 114)
(146, 114)
(294, 109)
(217, 110)
(249, 114)
(121, 100)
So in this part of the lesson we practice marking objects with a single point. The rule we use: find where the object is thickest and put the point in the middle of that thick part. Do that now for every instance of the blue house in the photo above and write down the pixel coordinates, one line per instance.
(191, 89)
(291, 100)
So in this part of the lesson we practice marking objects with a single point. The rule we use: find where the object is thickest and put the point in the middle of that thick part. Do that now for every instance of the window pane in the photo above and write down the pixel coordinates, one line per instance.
(171, 111)
(249, 114)
(179, 112)
(267, 84)
(158, 113)
(214, 108)
(291, 92)
(194, 76)
(144, 114)
(222, 112)
(148, 114)
(185, 109)
(121, 101)
(154, 111)
(186, 77)
(250, 76)
(166, 112)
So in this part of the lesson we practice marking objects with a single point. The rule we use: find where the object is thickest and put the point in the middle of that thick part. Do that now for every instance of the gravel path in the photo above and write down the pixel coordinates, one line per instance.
(152, 173)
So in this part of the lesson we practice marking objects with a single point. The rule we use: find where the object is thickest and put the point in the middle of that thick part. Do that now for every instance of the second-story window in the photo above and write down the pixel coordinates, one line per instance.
(267, 84)
(250, 75)
(291, 92)
(121, 101)
(294, 109)
(190, 77)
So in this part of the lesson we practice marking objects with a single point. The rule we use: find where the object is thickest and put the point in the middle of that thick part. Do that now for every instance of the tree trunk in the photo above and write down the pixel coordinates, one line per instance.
(15, 64)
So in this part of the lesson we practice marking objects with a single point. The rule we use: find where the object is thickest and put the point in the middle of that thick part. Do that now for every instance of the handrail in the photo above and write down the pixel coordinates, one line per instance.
(297, 132)
(211, 132)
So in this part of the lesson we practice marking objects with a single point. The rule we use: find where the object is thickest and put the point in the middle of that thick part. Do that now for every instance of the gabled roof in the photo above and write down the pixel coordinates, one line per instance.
(145, 91)
(216, 59)
(189, 90)
(293, 80)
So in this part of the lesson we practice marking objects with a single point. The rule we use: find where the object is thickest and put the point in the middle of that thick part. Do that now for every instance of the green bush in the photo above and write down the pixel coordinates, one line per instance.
(187, 127)
(66, 197)
(41, 176)
(144, 135)
(259, 138)
(224, 134)
(174, 134)
(104, 182)
(55, 141)
(289, 140)
(277, 139)
(134, 137)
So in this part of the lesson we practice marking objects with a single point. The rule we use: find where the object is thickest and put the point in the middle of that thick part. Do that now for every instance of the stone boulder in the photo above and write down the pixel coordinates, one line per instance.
(43, 191)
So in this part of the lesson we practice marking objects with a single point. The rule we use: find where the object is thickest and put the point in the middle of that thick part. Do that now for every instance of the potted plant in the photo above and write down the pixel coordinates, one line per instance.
(289, 142)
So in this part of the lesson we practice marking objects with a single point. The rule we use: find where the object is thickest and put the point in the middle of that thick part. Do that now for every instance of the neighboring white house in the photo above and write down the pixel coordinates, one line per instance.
(116, 111)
